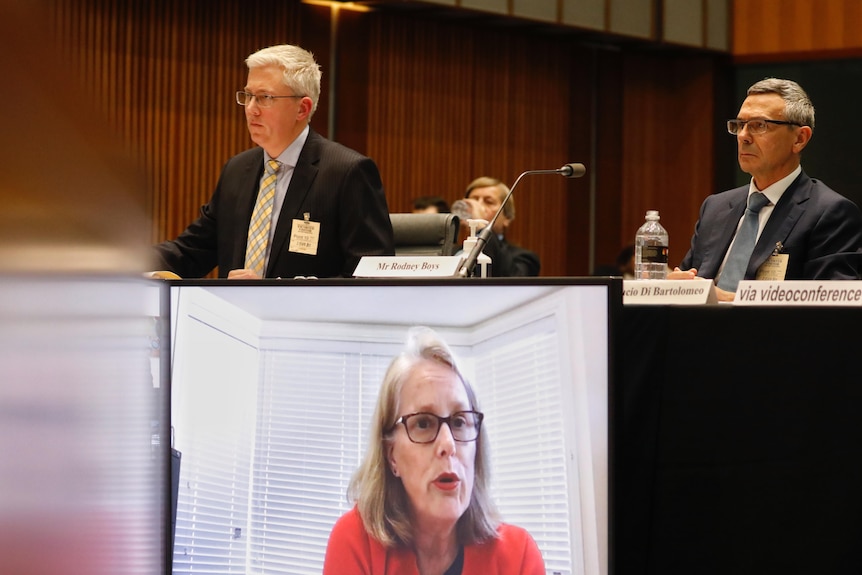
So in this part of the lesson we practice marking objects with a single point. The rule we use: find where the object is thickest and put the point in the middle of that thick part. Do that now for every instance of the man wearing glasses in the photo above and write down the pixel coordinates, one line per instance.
(295, 205)
(783, 225)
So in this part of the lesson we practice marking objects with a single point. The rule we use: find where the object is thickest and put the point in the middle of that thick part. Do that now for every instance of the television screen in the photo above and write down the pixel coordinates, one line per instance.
(274, 384)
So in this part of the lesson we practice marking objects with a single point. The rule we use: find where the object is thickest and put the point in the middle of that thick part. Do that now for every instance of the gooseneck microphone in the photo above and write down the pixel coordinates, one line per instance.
(571, 170)
(568, 171)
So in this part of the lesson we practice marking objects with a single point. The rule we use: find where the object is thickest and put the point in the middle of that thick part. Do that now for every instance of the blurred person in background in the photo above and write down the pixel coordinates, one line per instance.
(482, 200)
(430, 205)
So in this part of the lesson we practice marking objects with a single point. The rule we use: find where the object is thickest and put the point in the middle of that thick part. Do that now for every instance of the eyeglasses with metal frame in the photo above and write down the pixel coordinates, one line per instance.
(423, 427)
(244, 98)
(755, 125)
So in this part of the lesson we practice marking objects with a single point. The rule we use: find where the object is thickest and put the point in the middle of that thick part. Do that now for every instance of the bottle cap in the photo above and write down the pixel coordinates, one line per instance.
(476, 225)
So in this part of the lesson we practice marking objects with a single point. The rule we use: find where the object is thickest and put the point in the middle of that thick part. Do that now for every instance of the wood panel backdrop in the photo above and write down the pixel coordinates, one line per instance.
(435, 100)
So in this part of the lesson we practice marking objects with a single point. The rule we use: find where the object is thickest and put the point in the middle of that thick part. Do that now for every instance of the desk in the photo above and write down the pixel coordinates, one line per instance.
(731, 465)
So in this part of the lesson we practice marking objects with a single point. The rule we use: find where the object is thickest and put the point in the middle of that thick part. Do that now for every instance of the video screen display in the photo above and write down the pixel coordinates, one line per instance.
(273, 386)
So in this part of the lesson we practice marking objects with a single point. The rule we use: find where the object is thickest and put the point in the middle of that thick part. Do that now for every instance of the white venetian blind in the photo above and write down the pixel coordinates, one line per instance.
(314, 410)
(518, 380)
(214, 414)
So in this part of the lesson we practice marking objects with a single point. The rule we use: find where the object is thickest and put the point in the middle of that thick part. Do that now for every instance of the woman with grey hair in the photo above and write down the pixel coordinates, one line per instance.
(421, 494)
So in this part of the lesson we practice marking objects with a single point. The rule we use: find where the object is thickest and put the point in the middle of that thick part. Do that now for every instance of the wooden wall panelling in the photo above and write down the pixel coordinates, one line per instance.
(611, 234)
(668, 139)
(527, 77)
(64, 169)
(315, 35)
(582, 217)
(726, 103)
(420, 94)
(794, 28)
(352, 91)
(449, 102)
(165, 73)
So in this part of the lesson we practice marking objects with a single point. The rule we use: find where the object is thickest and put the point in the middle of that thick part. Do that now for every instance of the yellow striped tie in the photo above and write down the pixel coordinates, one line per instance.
(261, 219)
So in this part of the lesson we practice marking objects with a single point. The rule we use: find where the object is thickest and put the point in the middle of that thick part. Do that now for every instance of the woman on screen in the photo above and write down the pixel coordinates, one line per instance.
(421, 494)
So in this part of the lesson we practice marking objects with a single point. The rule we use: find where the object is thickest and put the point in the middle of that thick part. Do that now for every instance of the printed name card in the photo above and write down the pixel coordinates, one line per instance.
(799, 293)
(664, 292)
(408, 266)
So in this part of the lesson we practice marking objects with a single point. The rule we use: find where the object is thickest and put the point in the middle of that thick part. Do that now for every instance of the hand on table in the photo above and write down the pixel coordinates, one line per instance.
(242, 274)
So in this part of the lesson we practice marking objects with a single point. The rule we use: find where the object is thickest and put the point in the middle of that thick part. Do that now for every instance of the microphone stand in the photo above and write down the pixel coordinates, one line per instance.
(569, 171)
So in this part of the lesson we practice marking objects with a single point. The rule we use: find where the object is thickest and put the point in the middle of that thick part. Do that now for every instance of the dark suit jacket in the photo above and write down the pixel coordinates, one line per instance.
(338, 187)
(509, 260)
(819, 229)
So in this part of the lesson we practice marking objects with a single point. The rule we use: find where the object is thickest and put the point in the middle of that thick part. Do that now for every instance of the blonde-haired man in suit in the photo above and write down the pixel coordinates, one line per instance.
(328, 209)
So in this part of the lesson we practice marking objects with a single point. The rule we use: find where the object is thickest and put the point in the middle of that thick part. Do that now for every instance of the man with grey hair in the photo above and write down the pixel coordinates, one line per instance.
(783, 224)
(295, 205)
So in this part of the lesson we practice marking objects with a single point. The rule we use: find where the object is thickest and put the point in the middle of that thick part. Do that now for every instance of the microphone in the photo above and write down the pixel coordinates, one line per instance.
(568, 171)
(572, 170)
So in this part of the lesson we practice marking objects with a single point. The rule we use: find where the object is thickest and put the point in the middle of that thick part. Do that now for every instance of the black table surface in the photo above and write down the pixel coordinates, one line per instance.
(737, 441)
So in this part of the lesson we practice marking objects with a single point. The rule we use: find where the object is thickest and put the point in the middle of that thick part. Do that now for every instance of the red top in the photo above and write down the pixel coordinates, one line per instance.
(351, 551)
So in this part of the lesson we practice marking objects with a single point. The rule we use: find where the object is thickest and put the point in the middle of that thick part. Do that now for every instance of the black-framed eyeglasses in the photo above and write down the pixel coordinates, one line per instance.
(423, 427)
(755, 126)
(244, 98)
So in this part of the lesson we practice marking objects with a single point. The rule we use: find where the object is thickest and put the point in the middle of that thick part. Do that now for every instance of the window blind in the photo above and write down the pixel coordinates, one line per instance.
(313, 416)
(214, 407)
(518, 381)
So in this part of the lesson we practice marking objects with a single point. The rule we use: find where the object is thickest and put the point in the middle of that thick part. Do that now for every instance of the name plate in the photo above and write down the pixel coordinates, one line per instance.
(664, 292)
(407, 266)
(799, 293)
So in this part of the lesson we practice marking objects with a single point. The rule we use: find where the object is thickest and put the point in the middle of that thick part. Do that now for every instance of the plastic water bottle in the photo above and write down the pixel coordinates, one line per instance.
(651, 249)
(461, 208)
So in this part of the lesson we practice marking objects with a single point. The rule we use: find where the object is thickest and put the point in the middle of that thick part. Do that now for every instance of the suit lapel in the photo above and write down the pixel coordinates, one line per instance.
(784, 216)
(303, 177)
(723, 234)
(735, 209)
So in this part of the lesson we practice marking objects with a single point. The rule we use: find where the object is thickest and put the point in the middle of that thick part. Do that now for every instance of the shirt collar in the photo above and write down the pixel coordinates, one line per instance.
(290, 156)
(776, 190)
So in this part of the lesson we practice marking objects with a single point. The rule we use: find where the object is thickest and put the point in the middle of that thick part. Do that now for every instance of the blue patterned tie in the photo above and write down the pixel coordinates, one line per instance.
(743, 245)
(261, 219)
